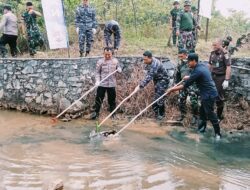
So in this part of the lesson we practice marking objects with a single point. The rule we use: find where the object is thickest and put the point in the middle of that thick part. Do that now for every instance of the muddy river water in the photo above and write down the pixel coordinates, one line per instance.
(33, 154)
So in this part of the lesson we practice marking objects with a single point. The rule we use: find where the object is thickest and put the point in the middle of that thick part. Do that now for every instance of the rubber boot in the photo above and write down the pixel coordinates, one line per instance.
(87, 53)
(219, 113)
(81, 54)
(194, 120)
(202, 126)
(181, 117)
(217, 130)
(94, 116)
(3, 53)
(161, 113)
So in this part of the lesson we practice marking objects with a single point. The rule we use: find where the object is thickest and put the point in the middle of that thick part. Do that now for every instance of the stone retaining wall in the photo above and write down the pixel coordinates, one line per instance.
(50, 85)
(240, 80)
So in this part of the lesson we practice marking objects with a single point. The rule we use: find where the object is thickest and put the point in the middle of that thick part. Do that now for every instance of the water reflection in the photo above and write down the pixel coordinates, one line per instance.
(33, 154)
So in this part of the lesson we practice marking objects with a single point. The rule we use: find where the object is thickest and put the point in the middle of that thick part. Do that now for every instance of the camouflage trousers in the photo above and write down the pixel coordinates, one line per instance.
(160, 89)
(34, 40)
(195, 35)
(174, 36)
(108, 39)
(193, 93)
(85, 36)
(186, 40)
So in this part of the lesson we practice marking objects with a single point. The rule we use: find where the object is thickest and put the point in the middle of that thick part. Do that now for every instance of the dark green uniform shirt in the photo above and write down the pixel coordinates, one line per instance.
(182, 71)
(185, 21)
(174, 12)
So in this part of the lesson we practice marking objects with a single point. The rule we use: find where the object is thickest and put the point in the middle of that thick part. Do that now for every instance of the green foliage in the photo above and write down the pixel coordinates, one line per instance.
(141, 19)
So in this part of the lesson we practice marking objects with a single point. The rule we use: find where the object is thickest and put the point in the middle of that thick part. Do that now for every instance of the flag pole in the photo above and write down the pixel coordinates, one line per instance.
(64, 16)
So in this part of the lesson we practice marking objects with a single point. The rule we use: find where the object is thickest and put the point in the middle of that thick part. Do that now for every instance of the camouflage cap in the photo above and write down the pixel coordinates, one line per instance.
(183, 50)
(193, 8)
(176, 3)
(187, 3)
(148, 54)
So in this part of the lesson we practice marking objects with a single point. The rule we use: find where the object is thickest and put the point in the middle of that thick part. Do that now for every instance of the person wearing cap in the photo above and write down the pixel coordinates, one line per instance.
(192, 91)
(185, 24)
(35, 38)
(160, 77)
(220, 66)
(197, 21)
(112, 28)
(8, 25)
(104, 67)
(174, 12)
(201, 75)
(86, 24)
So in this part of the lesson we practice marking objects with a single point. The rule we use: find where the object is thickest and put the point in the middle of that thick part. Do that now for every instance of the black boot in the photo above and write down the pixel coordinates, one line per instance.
(81, 54)
(3, 52)
(181, 117)
(161, 113)
(217, 131)
(94, 116)
(219, 113)
(87, 53)
(202, 126)
(194, 120)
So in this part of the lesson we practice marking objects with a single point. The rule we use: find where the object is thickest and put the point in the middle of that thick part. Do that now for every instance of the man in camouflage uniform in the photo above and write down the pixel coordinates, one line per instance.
(86, 24)
(220, 66)
(197, 21)
(174, 12)
(185, 24)
(112, 27)
(192, 91)
(34, 36)
(157, 73)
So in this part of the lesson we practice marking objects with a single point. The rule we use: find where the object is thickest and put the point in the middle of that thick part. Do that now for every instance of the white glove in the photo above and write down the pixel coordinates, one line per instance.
(94, 31)
(137, 88)
(97, 83)
(77, 30)
(119, 69)
(225, 84)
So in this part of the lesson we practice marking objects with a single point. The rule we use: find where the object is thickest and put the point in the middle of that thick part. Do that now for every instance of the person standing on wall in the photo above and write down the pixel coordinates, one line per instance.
(30, 24)
(112, 28)
(185, 24)
(9, 27)
(86, 24)
(174, 12)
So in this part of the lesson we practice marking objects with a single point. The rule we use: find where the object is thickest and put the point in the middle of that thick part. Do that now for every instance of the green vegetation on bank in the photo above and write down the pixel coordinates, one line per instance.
(145, 24)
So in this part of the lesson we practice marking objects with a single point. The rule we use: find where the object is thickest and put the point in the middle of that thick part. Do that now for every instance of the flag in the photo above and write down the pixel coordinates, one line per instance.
(55, 23)
(206, 8)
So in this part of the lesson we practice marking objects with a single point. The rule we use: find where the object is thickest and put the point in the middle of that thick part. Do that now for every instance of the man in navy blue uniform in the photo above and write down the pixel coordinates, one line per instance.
(208, 92)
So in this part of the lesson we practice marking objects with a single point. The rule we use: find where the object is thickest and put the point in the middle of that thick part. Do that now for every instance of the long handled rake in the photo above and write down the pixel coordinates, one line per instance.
(103, 121)
(126, 126)
(85, 94)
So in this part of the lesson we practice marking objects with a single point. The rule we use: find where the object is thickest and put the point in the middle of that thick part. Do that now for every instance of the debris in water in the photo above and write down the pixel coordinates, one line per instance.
(103, 134)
